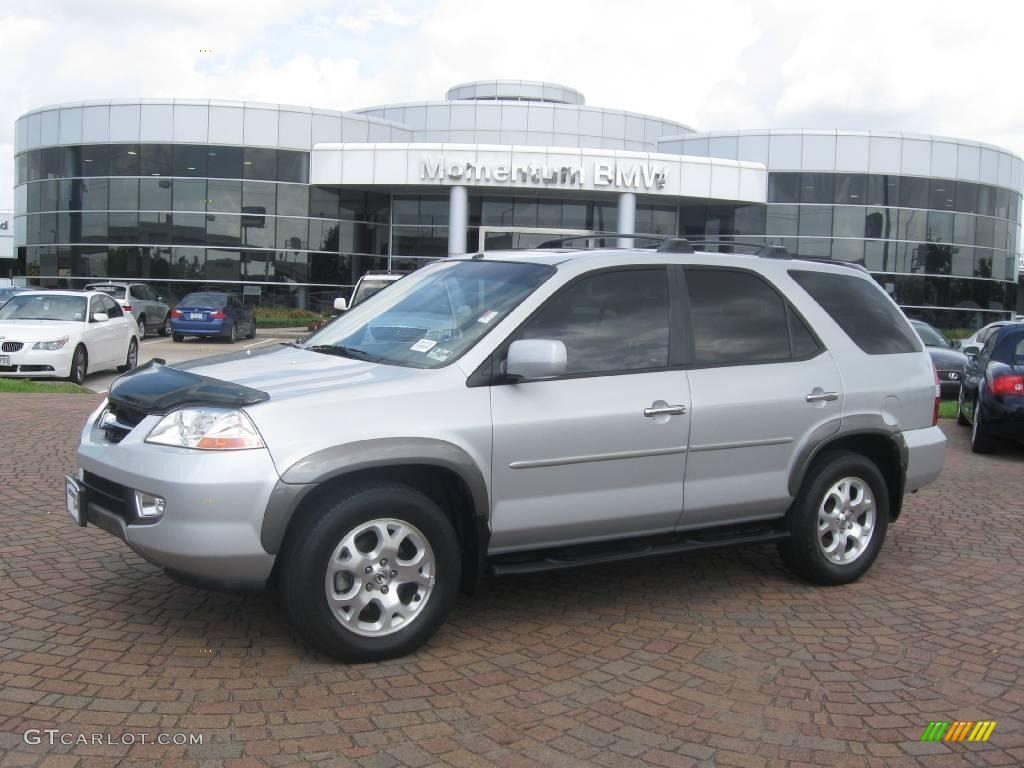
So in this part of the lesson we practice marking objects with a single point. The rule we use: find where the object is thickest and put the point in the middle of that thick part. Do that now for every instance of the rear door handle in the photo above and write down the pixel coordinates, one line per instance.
(665, 410)
(818, 397)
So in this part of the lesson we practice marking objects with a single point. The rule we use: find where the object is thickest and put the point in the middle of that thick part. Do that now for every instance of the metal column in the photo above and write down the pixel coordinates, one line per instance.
(458, 217)
(626, 218)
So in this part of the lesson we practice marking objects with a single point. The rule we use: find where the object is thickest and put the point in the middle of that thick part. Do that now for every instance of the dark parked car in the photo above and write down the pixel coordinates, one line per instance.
(948, 361)
(992, 396)
(212, 313)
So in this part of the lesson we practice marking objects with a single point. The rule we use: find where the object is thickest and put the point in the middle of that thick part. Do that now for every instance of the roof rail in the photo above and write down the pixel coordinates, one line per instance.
(663, 243)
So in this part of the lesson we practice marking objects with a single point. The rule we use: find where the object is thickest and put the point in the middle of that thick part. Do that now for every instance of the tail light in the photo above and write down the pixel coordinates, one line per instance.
(175, 313)
(938, 398)
(218, 315)
(1008, 385)
(126, 307)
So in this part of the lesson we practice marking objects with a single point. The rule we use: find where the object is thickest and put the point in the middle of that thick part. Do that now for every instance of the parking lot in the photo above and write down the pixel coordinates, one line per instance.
(712, 659)
(166, 349)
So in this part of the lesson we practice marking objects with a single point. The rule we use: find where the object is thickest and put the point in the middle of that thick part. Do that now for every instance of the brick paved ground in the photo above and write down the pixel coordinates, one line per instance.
(715, 659)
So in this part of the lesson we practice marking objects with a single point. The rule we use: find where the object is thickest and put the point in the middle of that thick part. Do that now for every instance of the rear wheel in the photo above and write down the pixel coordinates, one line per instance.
(142, 327)
(371, 574)
(132, 358)
(838, 522)
(165, 329)
(960, 418)
(981, 441)
(178, 338)
(79, 365)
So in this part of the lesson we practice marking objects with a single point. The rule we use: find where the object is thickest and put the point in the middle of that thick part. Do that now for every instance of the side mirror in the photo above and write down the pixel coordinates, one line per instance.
(536, 359)
(972, 351)
(340, 305)
(100, 317)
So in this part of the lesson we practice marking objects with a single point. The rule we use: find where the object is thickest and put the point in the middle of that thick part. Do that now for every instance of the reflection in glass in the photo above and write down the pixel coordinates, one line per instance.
(155, 195)
(124, 194)
(190, 160)
(224, 229)
(292, 234)
(124, 159)
(848, 250)
(940, 227)
(224, 162)
(292, 200)
(851, 188)
(913, 192)
(815, 220)
(189, 195)
(259, 163)
(95, 160)
(156, 160)
(783, 187)
(816, 187)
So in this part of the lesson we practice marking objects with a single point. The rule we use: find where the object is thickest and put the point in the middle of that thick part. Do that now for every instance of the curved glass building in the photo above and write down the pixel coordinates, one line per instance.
(290, 205)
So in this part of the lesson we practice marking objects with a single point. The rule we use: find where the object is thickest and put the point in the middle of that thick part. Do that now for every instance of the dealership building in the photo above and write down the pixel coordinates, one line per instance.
(289, 205)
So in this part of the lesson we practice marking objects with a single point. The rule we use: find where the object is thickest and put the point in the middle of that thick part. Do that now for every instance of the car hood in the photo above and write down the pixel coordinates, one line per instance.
(947, 359)
(34, 330)
(285, 371)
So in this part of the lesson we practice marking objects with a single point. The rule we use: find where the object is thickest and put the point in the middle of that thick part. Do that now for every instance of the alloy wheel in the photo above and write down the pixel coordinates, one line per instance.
(380, 577)
(142, 329)
(846, 520)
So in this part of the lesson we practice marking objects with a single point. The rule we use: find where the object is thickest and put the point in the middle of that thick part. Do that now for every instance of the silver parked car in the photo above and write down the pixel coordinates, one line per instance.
(148, 308)
(517, 412)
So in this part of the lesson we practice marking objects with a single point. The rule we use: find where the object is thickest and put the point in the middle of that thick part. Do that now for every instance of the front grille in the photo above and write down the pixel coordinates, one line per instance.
(949, 375)
(11, 346)
(118, 420)
(112, 496)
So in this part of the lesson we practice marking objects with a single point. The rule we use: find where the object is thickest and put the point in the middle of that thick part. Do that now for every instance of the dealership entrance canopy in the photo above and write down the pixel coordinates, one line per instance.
(290, 205)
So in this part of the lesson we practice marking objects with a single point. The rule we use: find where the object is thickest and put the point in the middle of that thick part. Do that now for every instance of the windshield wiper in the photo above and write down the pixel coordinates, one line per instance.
(342, 351)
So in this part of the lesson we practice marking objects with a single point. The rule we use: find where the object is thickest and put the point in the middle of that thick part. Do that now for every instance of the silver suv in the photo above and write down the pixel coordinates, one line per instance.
(149, 309)
(516, 412)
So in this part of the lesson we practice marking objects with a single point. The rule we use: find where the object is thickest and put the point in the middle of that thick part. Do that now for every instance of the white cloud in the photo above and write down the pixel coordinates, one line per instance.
(929, 67)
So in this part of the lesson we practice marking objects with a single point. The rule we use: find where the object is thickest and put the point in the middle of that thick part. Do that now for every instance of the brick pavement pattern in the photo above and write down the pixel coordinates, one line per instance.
(711, 659)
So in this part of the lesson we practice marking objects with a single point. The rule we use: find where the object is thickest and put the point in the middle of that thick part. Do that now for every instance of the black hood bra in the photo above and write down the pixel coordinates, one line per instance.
(158, 389)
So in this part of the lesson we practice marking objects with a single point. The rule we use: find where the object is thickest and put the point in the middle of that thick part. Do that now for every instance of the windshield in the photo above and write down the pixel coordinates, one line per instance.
(36, 307)
(368, 288)
(930, 336)
(216, 300)
(116, 291)
(6, 293)
(433, 316)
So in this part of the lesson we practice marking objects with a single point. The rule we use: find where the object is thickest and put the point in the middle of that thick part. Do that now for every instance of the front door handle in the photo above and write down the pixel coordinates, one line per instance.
(665, 410)
(818, 397)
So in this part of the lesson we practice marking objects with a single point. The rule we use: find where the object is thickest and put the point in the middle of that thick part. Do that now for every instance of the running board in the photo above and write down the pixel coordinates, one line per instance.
(633, 549)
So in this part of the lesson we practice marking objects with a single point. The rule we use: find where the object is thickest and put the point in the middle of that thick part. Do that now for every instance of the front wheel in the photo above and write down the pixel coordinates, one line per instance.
(233, 334)
(252, 331)
(838, 522)
(371, 574)
(981, 441)
(132, 359)
(79, 365)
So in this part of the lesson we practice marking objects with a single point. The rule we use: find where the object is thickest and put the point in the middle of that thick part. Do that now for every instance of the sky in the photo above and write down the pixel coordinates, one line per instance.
(928, 67)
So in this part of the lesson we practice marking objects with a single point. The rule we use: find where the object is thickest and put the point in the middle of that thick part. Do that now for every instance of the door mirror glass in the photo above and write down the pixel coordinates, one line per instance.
(100, 317)
(971, 350)
(340, 305)
(536, 359)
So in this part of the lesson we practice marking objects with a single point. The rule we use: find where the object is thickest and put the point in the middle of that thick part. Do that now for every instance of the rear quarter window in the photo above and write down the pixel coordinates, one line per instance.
(862, 310)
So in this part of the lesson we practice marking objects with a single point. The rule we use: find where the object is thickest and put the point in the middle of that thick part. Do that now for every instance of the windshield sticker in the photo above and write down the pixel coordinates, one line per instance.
(423, 345)
(486, 317)
(440, 354)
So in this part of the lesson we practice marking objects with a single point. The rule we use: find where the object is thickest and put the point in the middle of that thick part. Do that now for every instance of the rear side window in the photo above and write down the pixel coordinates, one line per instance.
(862, 310)
(738, 318)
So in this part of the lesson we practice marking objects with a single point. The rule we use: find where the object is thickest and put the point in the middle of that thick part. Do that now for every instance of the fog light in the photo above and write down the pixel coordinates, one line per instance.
(149, 506)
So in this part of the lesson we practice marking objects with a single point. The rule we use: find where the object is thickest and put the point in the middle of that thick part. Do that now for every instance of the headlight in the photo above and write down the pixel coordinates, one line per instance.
(209, 429)
(50, 346)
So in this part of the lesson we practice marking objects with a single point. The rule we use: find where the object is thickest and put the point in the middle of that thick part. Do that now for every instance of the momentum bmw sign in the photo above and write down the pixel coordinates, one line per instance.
(604, 174)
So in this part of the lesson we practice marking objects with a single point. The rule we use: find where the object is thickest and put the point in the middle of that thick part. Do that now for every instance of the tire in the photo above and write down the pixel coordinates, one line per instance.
(981, 441)
(132, 358)
(178, 338)
(821, 494)
(960, 418)
(79, 366)
(252, 332)
(233, 334)
(165, 328)
(315, 544)
(142, 326)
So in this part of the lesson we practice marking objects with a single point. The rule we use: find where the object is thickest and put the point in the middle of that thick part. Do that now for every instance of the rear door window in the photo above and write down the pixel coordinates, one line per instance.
(861, 308)
(740, 319)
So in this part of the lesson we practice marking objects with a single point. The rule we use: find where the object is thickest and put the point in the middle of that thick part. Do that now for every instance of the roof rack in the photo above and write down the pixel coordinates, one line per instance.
(662, 243)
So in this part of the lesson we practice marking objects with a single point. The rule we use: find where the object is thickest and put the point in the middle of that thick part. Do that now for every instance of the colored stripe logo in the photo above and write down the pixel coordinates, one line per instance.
(959, 730)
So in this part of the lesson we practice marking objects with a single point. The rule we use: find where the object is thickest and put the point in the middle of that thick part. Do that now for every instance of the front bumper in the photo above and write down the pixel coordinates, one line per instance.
(38, 363)
(926, 453)
(210, 529)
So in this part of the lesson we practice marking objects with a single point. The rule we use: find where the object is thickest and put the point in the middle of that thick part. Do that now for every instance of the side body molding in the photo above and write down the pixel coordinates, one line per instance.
(308, 473)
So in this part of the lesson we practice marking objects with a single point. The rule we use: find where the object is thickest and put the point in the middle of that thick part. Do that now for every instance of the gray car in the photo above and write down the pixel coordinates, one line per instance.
(148, 308)
(521, 412)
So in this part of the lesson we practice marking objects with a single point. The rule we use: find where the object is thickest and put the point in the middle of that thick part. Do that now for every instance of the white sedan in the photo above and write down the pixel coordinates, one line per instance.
(64, 335)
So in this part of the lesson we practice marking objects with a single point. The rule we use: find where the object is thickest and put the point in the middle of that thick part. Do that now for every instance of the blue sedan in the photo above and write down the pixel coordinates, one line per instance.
(992, 395)
(212, 314)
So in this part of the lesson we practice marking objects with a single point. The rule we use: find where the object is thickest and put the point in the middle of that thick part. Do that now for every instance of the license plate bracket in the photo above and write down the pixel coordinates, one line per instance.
(5, 359)
(74, 500)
